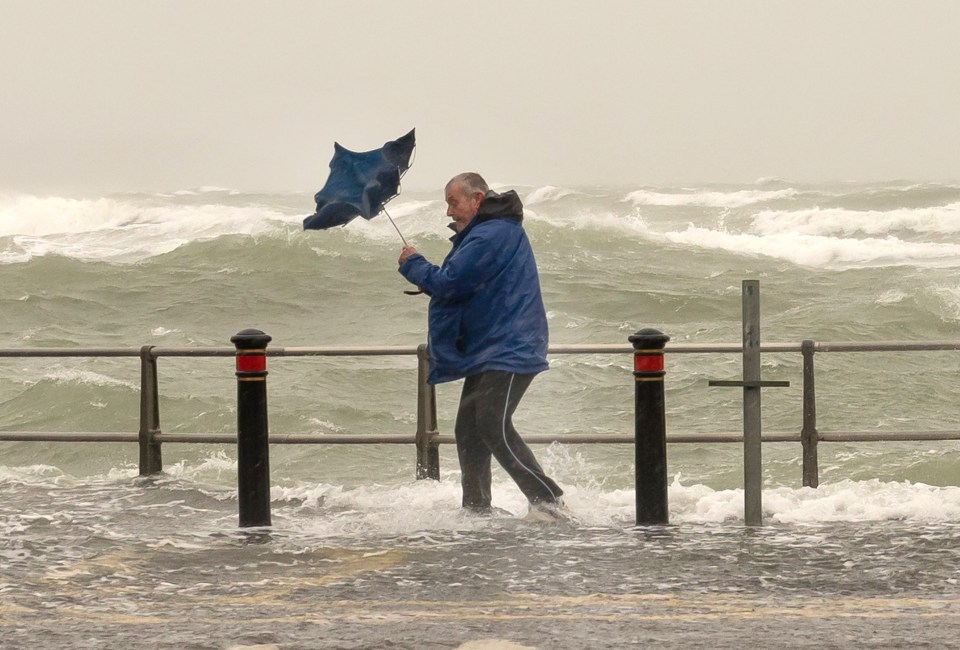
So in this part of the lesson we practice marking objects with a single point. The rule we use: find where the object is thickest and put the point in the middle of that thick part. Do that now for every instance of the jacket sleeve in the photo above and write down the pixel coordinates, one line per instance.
(465, 271)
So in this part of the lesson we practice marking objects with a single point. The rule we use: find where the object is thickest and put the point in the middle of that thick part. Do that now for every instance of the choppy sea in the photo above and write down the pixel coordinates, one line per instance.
(363, 555)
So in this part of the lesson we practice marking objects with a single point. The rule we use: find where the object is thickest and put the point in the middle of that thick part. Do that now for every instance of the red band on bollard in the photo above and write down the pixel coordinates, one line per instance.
(648, 362)
(251, 362)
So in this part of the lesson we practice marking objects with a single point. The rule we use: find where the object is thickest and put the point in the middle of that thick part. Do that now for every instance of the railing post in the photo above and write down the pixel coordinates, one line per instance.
(752, 459)
(650, 437)
(151, 460)
(808, 434)
(428, 451)
(253, 449)
(752, 420)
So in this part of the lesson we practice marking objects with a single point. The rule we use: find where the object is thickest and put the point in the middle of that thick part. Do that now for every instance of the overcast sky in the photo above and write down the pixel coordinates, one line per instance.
(99, 96)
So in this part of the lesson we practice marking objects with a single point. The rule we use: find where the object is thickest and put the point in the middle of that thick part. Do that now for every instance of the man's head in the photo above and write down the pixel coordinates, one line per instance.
(464, 192)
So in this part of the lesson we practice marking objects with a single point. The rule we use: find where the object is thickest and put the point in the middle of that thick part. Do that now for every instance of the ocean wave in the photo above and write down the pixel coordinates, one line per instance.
(548, 193)
(853, 501)
(207, 189)
(712, 199)
(942, 220)
(37, 216)
(822, 251)
(50, 216)
(86, 377)
(949, 297)
(122, 231)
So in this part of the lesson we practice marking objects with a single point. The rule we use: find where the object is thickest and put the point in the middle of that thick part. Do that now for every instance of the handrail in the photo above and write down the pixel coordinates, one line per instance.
(69, 352)
(427, 438)
(411, 350)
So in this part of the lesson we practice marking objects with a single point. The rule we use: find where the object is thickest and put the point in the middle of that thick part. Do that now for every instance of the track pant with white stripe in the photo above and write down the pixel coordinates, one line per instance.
(484, 429)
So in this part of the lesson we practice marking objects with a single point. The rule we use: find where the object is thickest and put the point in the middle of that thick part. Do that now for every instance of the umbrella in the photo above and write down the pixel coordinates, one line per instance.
(360, 183)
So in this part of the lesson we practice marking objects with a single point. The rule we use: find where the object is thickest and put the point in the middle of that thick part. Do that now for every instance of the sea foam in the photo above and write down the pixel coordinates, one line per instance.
(822, 251)
(943, 220)
(715, 199)
(121, 230)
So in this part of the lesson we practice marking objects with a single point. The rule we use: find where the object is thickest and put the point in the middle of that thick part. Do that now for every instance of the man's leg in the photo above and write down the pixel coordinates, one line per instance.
(496, 395)
(472, 450)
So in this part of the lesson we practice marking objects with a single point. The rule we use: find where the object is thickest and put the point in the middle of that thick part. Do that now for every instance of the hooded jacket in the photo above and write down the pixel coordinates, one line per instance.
(486, 311)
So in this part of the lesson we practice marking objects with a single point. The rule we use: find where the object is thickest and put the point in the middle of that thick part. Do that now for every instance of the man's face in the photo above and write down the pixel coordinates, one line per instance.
(462, 206)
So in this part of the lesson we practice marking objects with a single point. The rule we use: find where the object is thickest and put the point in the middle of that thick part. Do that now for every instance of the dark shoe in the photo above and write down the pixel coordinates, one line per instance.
(549, 511)
(486, 511)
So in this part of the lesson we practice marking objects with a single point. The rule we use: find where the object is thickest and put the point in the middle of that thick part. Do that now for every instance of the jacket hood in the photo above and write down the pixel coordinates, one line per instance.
(500, 206)
(493, 206)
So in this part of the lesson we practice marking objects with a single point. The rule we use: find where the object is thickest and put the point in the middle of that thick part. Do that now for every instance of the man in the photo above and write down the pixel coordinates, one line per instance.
(487, 325)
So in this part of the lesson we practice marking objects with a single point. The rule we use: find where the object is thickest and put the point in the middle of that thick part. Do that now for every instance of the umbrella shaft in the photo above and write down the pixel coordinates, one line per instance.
(395, 226)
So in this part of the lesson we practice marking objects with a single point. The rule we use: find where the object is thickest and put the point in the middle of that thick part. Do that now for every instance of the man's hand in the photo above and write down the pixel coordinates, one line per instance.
(405, 254)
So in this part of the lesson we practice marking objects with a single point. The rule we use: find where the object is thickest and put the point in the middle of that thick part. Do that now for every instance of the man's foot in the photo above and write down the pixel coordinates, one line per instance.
(549, 511)
(486, 511)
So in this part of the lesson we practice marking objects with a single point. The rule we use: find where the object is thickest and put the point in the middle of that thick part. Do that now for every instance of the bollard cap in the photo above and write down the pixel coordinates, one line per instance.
(648, 338)
(250, 339)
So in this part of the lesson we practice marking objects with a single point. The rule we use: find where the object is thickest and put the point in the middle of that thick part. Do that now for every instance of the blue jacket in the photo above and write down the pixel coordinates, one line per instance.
(486, 311)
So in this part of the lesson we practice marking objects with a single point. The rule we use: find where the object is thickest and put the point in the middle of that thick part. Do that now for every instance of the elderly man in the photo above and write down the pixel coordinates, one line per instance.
(487, 325)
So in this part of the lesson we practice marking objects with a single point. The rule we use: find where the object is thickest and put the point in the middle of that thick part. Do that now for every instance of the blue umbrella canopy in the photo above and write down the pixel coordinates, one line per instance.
(360, 183)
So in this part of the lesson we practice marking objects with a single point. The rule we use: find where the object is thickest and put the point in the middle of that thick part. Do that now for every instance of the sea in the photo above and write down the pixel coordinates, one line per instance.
(362, 554)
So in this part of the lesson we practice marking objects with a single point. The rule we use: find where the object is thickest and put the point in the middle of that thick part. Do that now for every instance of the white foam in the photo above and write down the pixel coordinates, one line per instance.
(213, 467)
(122, 230)
(847, 500)
(130, 229)
(632, 224)
(703, 198)
(62, 375)
(891, 297)
(416, 220)
(418, 509)
(840, 222)
(493, 644)
(206, 189)
(326, 425)
(822, 251)
(949, 297)
(548, 193)
(28, 473)
(420, 506)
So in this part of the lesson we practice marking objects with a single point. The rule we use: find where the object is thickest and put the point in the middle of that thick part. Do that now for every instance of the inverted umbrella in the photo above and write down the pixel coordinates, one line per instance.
(360, 183)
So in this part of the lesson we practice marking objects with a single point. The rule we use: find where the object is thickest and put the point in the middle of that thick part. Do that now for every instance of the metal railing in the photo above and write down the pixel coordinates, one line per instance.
(427, 437)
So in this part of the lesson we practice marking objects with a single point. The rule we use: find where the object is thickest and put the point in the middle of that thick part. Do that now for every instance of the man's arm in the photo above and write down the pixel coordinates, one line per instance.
(466, 270)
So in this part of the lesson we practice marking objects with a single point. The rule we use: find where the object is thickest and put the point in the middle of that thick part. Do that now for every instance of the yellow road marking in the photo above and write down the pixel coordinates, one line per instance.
(595, 607)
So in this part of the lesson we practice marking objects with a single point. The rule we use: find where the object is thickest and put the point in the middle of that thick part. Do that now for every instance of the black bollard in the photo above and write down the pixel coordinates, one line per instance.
(253, 449)
(651, 429)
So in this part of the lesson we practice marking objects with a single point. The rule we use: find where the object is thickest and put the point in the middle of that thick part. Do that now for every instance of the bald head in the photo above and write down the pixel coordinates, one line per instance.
(469, 183)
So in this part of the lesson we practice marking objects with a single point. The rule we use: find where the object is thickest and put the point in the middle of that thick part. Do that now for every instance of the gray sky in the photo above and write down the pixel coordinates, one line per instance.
(161, 95)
